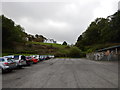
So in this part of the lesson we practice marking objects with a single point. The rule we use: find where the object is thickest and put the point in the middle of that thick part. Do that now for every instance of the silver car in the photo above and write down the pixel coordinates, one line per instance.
(7, 64)
(20, 60)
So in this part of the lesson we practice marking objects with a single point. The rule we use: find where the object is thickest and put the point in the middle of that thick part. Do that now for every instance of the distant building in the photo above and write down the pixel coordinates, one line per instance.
(27, 39)
(49, 41)
(110, 54)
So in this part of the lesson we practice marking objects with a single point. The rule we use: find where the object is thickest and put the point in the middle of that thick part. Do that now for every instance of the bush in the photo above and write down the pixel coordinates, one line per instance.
(75, 52)
(60, 54)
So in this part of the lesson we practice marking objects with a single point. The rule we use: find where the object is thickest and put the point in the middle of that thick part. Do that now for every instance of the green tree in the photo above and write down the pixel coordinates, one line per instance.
(101, 31)
(64, 43)
(11, 33)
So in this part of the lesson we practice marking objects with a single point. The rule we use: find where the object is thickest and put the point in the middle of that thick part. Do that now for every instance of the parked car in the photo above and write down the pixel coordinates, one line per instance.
(10, 57)
(29, 60)
(51, 56)
(7, 64)
(36, 57)
(20, 60)
(42, 57)
(47, 57)
(34, 60)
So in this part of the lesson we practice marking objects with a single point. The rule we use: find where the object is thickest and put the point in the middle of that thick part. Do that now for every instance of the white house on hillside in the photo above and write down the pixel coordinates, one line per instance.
(49, 41)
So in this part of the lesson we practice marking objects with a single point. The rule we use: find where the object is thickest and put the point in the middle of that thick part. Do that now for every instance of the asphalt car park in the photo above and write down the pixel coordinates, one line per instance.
(64, 73)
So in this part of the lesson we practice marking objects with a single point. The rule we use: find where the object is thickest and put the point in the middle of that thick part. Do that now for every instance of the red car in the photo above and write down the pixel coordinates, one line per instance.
(34, 60)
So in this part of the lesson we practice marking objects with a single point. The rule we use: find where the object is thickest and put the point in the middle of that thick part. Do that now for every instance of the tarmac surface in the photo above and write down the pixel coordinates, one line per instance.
(64, 73)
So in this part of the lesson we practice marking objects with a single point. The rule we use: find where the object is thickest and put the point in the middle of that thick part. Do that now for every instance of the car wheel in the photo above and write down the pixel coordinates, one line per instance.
(3, 71)
(19, 67)
(10, 70)
(29, 64)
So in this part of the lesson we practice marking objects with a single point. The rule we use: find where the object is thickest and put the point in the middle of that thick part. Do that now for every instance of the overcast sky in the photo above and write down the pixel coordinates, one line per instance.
(62, 20)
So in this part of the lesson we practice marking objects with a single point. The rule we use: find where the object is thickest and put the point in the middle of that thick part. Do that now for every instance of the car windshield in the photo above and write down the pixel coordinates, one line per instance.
(8, 56)
(28, 57)
(16, 57)
(2, 59)
(23, 57)
(9, 60)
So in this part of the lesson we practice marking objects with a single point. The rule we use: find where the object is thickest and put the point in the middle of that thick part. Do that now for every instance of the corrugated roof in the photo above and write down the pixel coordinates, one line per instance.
(104, 49)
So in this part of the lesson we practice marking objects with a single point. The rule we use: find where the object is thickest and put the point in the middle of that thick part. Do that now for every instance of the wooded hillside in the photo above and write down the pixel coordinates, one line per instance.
(101, 33)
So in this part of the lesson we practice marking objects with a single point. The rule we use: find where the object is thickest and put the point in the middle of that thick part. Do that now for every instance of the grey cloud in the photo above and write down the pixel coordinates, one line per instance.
(119, 5)
(60, 20)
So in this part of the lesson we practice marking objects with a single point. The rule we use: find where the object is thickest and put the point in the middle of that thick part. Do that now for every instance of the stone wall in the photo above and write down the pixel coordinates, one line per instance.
(110, 55)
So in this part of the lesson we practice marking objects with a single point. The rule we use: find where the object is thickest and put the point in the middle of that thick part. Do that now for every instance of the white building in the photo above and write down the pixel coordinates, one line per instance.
(49, 41)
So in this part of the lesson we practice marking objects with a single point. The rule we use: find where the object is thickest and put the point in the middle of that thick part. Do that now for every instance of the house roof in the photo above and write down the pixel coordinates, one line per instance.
(109, 48)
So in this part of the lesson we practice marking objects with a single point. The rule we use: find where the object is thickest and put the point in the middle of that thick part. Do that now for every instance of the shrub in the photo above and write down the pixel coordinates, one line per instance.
(60, 54)
(75, 52)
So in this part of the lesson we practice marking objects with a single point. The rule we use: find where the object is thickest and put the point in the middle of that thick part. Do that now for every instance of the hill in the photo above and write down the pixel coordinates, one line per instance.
(40, 48)
(101, 33)
(16, 41)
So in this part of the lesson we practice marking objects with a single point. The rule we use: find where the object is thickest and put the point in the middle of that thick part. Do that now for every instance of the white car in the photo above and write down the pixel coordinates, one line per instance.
(51, 56)
(20, 60)
(7, 64)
